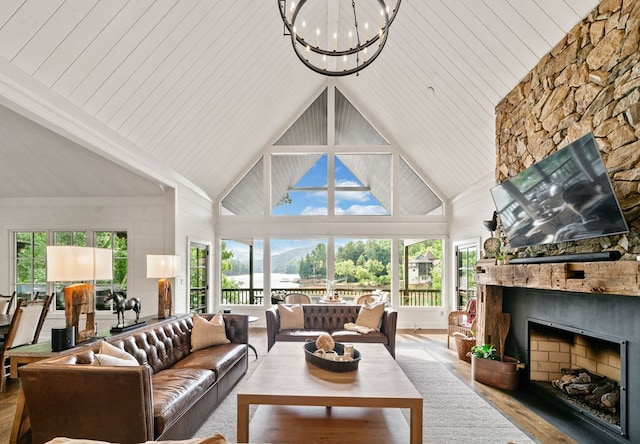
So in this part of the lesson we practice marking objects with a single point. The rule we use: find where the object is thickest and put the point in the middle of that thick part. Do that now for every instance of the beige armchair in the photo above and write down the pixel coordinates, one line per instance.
(297, 298)
(367, 299)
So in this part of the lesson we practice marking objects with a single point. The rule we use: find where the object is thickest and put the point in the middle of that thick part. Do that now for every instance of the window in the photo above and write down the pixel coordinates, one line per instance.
(421, 273)
(362, 266)
(298, 265)
(241, 274)
(31, 270)
(116, 241)
(198, 282)
(299, 185)
(357, 163)
(466, 257)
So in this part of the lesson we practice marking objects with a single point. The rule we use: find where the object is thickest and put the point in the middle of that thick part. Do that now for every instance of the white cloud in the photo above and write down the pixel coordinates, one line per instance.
(352, 196)
(314, 211)
(362, 210)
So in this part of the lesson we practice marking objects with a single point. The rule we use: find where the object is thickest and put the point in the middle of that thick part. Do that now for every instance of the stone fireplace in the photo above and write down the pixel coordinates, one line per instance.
(583, 370)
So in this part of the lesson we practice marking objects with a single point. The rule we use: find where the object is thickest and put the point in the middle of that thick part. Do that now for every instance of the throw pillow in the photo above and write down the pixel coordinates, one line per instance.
(109, 354)
(207, 333)
(113, 351)
(370, 316)
(291, 317)
(102, 359)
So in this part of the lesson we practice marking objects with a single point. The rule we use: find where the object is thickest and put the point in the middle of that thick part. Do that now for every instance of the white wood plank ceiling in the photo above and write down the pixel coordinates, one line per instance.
(202, 86)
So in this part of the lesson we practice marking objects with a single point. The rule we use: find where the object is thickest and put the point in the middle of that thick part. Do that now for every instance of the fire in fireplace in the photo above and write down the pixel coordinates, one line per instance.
(583, 370)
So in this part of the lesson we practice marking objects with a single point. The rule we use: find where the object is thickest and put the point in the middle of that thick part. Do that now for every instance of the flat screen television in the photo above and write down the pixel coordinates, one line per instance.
(564, 197)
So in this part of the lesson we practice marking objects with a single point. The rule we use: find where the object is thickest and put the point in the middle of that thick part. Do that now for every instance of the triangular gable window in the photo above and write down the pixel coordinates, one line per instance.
(298, 184)
(363, 184)
(245, 199)
(416, 197)
(311, 126)
(351, 127)
(363, 181)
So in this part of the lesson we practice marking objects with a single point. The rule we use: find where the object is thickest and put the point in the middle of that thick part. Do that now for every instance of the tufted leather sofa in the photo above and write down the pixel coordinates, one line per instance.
(167, 397)
(329, 318)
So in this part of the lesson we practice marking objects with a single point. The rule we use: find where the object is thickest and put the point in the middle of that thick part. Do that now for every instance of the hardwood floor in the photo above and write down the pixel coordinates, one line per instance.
(436, 340)
(8, 400)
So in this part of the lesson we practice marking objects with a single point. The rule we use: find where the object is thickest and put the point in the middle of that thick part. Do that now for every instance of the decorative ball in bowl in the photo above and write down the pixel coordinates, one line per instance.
(332, 360)
(325, 342)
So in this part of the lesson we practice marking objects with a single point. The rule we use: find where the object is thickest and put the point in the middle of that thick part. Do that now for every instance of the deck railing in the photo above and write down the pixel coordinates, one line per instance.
(408, 297)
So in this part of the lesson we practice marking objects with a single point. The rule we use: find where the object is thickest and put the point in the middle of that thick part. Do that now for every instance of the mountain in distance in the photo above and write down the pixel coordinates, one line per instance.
(287, 262)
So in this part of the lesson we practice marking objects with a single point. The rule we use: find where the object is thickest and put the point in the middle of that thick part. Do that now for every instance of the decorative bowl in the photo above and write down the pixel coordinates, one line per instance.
(332, 365)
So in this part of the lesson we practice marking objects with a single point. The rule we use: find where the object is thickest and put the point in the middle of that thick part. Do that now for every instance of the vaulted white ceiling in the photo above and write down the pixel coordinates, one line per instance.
(194, 90)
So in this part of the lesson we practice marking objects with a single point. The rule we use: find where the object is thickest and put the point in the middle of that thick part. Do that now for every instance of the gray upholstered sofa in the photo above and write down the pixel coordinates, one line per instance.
(331, 318)
(167, 395)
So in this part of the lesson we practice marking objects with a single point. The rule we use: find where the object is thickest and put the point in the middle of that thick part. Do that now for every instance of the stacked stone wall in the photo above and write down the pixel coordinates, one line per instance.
(590, 82)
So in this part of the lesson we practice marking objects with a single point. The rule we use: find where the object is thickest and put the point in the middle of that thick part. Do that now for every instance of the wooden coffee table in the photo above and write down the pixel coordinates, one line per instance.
(284, 378)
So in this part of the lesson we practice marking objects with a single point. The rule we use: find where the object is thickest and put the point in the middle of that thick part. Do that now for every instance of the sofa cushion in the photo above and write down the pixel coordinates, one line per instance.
(219, 358)
(370, 316)
(207, 333)
(173, 392)
(291, 317)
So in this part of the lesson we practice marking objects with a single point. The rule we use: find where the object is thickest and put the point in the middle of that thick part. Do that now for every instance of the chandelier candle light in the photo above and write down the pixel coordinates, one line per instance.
(342, 43)
(69, 264)
(163, 267)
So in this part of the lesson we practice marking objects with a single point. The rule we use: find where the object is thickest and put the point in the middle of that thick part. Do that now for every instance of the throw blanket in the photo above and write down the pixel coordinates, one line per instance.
(359, 328)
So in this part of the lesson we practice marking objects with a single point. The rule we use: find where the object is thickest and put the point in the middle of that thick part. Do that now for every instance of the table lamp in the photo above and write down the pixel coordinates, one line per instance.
(70, 263)
(163, 267)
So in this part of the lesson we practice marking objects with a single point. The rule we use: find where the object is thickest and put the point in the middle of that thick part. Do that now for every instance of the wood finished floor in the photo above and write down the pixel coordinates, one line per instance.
(539, 429)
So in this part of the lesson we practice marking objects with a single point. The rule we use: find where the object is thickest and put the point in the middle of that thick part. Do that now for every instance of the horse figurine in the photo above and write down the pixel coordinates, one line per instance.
(121, 303)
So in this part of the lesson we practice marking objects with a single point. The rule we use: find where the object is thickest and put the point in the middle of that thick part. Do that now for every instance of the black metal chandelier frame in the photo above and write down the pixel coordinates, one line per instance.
(302, 47)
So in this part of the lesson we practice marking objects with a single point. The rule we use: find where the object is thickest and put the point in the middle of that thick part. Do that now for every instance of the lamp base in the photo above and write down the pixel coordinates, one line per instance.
(164, 298)
(78, 300)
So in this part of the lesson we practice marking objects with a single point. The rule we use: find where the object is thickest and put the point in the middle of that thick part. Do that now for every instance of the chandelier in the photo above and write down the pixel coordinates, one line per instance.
(335, 39)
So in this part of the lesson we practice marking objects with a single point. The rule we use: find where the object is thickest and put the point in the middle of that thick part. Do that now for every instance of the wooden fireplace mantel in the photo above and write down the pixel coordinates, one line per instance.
(619, 278)
(615, 278)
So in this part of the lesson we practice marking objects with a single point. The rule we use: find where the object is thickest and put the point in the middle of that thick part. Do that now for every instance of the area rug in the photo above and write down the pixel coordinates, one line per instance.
(453, 413)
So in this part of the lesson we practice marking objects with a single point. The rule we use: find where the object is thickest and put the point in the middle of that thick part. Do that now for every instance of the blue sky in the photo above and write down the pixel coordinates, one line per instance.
(315, 202)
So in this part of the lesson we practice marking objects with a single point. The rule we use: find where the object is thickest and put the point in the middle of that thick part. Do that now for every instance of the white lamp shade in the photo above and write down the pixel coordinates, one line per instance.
(103, 264)
(161, 266)
(69, 263)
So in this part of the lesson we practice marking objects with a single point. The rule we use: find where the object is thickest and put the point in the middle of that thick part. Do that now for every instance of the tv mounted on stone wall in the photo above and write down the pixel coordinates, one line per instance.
(566, 196)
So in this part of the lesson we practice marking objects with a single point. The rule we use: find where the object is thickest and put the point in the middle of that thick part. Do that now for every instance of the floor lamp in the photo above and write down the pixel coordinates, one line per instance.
(69, 264)
(163, 267)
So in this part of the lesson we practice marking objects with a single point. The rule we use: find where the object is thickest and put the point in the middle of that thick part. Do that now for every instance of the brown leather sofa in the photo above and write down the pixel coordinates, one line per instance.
(330, 318)
(167, 397)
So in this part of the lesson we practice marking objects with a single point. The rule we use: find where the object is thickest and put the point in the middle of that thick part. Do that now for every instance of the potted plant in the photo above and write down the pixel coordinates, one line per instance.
(493, 368)
(487, 368)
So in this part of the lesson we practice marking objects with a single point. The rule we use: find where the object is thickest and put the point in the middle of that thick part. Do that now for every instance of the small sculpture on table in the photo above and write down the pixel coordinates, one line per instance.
(122, 304)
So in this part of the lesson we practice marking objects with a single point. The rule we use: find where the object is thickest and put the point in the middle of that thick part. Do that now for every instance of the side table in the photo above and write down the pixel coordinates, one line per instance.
(253, 319)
